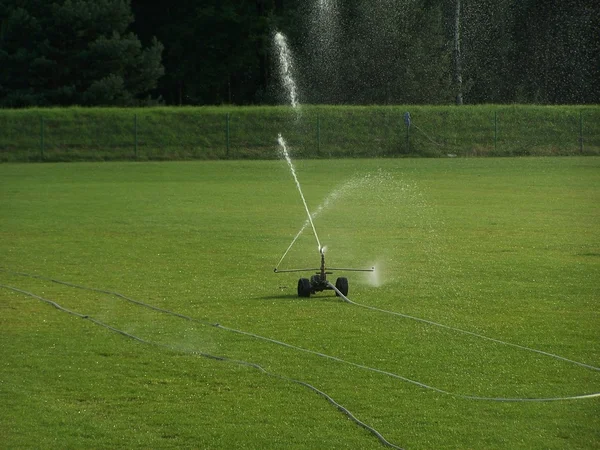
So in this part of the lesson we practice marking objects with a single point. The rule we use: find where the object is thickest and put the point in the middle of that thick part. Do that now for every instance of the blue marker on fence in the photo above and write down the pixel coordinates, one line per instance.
(407, 119)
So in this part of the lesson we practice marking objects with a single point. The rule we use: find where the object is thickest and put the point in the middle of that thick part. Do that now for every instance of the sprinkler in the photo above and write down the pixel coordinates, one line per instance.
(318, 282)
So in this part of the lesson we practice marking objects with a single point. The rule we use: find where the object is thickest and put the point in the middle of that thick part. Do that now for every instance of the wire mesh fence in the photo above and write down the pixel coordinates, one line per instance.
(313, 132)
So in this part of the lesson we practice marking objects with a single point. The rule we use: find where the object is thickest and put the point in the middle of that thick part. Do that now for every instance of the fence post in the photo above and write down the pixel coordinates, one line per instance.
(135, 135)
(318, 135)
(407, 123)
(580, 131)
(227, 133)
(42, 138)
(496, 132)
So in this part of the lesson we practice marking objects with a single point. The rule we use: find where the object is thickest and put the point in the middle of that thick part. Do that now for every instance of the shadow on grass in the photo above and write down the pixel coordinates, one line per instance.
(286, 296)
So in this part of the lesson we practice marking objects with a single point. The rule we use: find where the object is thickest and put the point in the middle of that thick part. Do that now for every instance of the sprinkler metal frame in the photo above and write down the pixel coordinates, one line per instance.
(318, 282)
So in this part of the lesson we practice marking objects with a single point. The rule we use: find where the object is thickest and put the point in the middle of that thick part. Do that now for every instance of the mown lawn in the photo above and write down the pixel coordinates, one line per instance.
(505, 248)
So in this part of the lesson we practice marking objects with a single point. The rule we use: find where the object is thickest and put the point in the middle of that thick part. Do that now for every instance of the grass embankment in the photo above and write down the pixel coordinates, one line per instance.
(507, 248)
(65, 134)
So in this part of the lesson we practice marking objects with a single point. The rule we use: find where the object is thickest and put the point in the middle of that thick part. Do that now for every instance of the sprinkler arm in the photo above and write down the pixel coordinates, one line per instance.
(276, 270)
(323, 270)
(372, 269)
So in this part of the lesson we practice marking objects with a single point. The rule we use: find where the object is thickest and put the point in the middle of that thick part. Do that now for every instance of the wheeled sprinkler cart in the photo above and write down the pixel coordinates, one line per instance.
(318, 282)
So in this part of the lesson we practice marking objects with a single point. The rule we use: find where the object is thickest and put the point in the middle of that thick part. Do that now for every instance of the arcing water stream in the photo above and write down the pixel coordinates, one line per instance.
(285, 68)
(293, 170)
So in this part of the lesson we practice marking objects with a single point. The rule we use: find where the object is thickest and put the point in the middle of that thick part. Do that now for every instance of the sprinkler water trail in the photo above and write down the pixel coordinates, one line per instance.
(286, 72)
(221, 358)
(470, 333)
(286, 68)
(308, 351)
(293, 170)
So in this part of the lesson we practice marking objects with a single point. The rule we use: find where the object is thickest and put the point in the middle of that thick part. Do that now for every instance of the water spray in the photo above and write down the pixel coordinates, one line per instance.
(293, 170)
(318, 282)
(286, 68)
(330, 198)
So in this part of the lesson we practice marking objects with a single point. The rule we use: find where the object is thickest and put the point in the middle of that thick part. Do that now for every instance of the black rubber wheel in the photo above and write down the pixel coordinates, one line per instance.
(342, 285)
(303, 287)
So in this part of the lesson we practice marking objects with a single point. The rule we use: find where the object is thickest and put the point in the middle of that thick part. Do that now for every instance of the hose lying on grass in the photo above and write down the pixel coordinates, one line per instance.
(458, 330)
(334, 358)
(340, 408)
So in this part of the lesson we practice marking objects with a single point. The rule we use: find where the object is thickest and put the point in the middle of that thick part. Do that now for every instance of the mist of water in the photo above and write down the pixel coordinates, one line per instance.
(286, 72)
(329, 200)
(323, 50)
(286, 69)
(371, 182)
(376, 278)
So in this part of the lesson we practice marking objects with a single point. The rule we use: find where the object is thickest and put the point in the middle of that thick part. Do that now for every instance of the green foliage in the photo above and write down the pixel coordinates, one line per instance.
(109, 90)
(73, 52)
(215, 50)
(507, 248)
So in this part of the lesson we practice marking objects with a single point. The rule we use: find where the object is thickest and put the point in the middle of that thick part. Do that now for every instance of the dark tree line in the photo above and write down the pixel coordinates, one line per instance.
(132, 52)
(73, 52)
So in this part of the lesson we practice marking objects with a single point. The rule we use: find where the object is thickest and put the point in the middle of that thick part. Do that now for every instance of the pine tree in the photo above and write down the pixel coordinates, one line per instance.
(73, 52)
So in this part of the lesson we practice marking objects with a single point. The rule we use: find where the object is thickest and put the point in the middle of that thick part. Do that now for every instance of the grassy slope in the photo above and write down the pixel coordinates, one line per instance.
(502, 247)
(317, 132)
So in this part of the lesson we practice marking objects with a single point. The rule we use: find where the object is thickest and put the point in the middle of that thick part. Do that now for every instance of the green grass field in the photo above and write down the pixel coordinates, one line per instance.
(505, 248)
